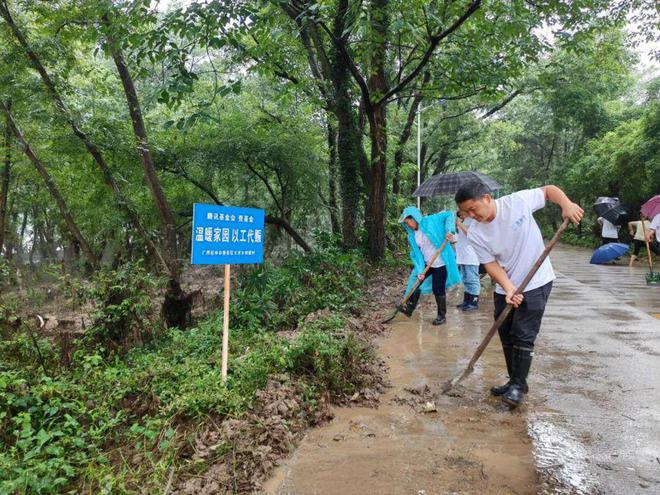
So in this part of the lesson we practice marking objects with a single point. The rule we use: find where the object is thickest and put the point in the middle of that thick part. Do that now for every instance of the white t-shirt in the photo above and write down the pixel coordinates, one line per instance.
(465, 254)
(513, 239)
(655, 224)
(609, 231)
(428, 249)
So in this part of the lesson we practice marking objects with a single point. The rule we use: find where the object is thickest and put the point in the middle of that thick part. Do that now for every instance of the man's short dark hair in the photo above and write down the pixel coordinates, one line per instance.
(474, 190)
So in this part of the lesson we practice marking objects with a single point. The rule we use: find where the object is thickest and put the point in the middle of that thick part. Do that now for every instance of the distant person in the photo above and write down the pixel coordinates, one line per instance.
(508, 242)
(637, 230)
(425, 236)
(468, 264)
(653, 228)
(609, 232)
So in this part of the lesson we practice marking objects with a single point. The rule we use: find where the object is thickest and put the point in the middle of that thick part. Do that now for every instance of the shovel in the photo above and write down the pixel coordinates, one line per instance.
(505, 313)
(399, 306)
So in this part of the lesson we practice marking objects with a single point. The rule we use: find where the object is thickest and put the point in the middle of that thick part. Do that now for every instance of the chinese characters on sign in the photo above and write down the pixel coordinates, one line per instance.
(227, 235)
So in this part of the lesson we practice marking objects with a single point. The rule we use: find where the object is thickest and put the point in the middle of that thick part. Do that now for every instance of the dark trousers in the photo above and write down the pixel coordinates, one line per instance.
(523, 323)
(607, 240)
(439, 280)
(640, 244)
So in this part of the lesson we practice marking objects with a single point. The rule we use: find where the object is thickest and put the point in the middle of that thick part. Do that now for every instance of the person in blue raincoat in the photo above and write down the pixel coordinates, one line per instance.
(425, 236)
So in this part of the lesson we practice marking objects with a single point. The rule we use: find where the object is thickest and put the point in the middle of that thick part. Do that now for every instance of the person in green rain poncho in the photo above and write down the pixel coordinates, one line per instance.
(425, 236)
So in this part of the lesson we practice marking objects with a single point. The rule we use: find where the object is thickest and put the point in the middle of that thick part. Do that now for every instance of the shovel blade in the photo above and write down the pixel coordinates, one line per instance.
(398, 308)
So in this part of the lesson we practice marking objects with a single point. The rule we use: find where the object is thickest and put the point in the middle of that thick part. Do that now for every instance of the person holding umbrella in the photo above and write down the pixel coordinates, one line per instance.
(468, 264)
(609, 232)
(508, 241)
(653, 228)
(425, 236)
(651, 209)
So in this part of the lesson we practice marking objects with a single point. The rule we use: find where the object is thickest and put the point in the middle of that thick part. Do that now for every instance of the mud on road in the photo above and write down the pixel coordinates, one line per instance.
(591, 423)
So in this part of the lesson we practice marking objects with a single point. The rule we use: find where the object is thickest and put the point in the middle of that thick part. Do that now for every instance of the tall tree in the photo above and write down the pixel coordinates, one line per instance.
(4, 180)
(140, 132)
(52, 189)
(89, 144)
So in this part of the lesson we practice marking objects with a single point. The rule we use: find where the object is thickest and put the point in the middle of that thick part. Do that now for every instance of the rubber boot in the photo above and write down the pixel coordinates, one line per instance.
(472, 303)
(522, 360)
(500, 390)
(465, 300)
(411, 303)
(441, 301)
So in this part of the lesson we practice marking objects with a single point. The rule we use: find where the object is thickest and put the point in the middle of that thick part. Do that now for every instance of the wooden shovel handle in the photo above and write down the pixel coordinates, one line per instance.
(428, 267)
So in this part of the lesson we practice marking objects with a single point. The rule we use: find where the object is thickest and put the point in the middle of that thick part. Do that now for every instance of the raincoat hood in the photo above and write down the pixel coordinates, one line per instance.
(410, 211)
(435, 227)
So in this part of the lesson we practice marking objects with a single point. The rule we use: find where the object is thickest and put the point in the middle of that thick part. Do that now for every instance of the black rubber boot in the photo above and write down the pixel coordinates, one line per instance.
(465, 300)
(441, 301)
(411, 303)
(472, 303)
(500, 390)
(522, 361)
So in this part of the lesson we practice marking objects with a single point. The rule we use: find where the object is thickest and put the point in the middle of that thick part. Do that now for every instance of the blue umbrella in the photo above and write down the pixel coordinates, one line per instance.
(608, 252)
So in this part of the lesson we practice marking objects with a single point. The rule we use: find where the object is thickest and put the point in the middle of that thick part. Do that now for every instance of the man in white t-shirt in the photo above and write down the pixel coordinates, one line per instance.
(653, 229)
(508, 242)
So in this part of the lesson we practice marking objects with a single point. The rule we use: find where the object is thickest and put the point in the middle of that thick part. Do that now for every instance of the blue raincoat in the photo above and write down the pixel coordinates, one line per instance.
(435, 227)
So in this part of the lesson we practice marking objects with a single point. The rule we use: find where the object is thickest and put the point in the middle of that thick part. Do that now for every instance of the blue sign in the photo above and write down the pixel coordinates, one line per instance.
(227, 235)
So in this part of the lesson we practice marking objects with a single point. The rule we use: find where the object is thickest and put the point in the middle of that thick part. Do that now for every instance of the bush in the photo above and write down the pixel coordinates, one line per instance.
(123, 303)
(84, 426)
(277, 298)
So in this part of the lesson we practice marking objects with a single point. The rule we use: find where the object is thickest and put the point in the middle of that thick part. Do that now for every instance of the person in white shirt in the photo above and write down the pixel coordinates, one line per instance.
(609, 232)
(508, 242)
(468, 264)
(654, 228)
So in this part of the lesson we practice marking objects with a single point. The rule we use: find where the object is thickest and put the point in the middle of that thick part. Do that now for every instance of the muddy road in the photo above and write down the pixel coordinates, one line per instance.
(591, 423)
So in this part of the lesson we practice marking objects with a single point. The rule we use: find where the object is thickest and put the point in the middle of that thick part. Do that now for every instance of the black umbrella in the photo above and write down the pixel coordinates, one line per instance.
(603, 204)
(449, 183)
(618, 214)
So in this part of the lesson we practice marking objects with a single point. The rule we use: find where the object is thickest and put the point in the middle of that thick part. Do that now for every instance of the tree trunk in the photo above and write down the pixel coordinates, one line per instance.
(332, 177)
(377, 184)
(350, 152)
(4, 183)
(89, 144)
(349, 149)
(377, 115)
(53, 190)
(139, 130)
(48, 233)
(20, 252)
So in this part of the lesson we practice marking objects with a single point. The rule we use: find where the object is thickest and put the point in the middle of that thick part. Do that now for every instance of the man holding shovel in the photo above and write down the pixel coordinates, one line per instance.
(425, 236)
(508, 241)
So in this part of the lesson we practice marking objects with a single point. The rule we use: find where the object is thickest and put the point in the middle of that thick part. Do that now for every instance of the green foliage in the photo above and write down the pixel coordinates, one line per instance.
(57, 433)
(123, 307)
(272, 299)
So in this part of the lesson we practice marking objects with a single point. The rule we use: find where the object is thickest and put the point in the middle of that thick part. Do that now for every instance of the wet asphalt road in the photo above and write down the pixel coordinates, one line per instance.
(596, 419)
(591, 423)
